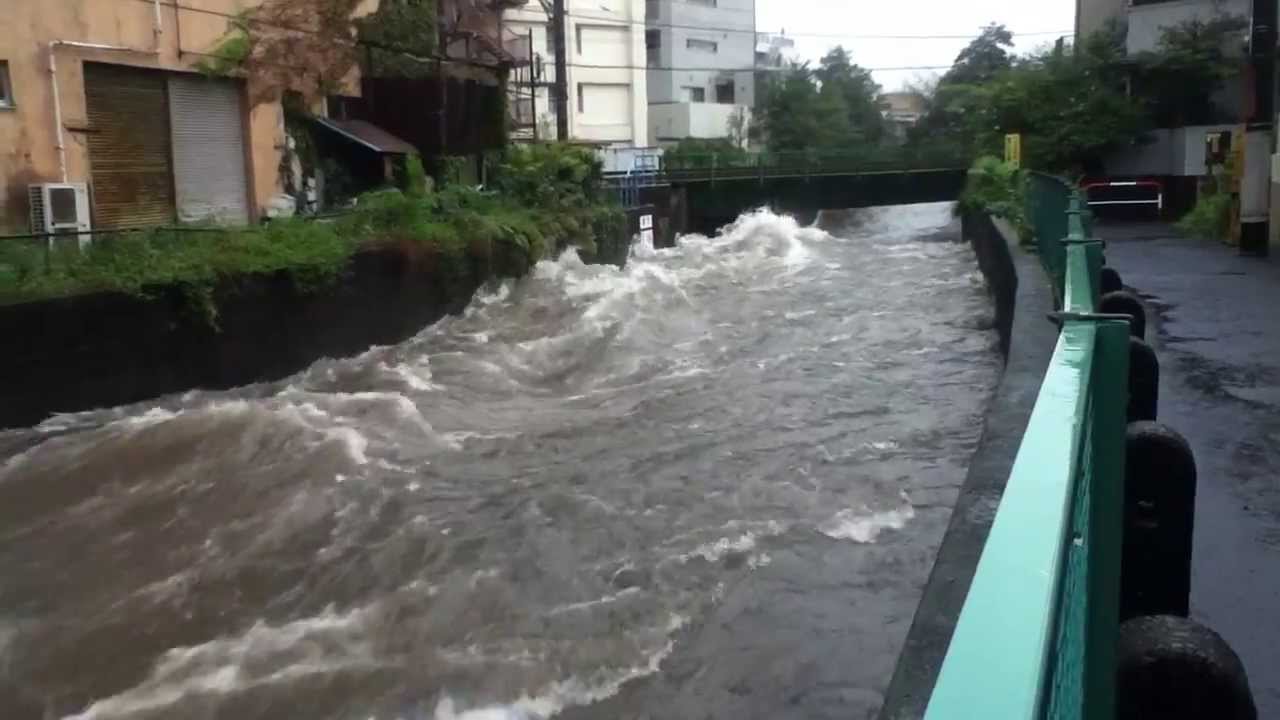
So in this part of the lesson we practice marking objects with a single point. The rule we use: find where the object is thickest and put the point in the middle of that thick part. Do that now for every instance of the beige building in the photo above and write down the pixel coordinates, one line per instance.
(903, 110)
(105, 94)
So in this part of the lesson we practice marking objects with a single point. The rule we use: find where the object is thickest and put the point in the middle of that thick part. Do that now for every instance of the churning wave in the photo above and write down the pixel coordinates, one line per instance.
(513, 512)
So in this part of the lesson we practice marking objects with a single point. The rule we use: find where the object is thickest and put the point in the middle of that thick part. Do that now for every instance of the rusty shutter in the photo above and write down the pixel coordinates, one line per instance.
(209, 174)
(128, 146)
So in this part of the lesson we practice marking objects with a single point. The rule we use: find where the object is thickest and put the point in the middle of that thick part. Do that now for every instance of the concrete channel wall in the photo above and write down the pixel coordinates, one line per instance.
(104, 349)
(1023, 299)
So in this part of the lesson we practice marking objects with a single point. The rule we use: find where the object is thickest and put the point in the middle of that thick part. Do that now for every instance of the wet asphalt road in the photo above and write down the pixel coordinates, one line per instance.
(1215, 325)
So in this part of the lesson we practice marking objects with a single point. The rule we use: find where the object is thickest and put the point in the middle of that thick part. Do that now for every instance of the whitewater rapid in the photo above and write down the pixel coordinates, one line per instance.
(541, 506)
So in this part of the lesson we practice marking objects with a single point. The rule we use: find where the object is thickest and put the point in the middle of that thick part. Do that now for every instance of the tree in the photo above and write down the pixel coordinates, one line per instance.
(1071, 107)
(1191, 64)
(949, 116)
(858, 91)
(791, 118)
(832, 108)
(739, 127)
(311, 47)
(982, 59)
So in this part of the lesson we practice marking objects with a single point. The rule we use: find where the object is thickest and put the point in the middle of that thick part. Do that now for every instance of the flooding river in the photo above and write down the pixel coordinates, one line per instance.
(707, 486)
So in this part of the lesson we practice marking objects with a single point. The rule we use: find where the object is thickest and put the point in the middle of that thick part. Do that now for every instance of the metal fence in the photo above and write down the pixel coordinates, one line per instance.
(1036, 637)
(35, 253)
(702, 167)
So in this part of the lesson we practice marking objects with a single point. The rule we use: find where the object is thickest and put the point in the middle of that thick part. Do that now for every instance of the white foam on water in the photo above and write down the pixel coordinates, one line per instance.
(715, 550)
(865, 525)
(353, 443)
(416, 377)
(263, 655)
(574, 691)
(588, 604)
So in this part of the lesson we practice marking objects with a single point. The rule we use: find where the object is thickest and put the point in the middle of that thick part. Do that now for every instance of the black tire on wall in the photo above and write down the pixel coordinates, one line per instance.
(1109, 281)
(1159, 521)
(1144, 381)
(1172, 668)
(1124, 303)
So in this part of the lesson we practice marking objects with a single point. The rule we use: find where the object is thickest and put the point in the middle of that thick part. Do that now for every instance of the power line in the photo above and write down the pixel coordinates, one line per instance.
(345, 39)
(829, 36)
(668, 68)
(833, 36)
(178, 7)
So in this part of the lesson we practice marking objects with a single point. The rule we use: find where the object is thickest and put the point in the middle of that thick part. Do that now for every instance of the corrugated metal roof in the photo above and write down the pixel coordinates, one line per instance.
(368, 135)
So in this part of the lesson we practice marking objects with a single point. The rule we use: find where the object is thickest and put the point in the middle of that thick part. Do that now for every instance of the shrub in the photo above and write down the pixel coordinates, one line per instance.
(998, 188)
(693, 153)
(548, 199)
(1210, 219)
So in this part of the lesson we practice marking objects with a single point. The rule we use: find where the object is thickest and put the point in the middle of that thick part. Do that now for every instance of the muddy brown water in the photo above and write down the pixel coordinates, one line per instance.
(707, 486)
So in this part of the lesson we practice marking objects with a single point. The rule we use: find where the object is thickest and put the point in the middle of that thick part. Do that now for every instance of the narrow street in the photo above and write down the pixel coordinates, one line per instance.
(1213, 324)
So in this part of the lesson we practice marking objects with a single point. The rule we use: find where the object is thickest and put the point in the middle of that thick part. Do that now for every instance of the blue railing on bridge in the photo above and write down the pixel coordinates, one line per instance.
(1036, 636)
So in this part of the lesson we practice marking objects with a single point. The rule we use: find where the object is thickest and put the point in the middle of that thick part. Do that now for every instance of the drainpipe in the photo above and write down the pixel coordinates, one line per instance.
(57, 99)
(57, 110)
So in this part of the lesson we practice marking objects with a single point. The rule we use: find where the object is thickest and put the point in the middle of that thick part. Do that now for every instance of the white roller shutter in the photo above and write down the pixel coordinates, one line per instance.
(210, 177)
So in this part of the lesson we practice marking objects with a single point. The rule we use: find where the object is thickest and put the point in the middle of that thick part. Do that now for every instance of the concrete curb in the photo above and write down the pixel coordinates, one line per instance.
(1023, 297)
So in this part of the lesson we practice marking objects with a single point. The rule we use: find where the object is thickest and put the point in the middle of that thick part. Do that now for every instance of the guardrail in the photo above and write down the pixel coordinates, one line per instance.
(712, 167)
(1036, 638)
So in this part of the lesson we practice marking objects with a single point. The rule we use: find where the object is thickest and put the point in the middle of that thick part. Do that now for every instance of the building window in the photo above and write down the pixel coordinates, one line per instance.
(706, 46)
(653, 47)
(705, 3)
(725, 93)
(6, 89)
(695, 94)
(582, 102)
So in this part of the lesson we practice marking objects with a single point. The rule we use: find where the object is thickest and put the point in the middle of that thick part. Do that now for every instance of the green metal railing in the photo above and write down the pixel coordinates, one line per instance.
(1036, 637)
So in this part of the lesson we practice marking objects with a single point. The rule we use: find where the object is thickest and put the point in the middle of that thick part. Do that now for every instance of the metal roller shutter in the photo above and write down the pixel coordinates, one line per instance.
(208, 150)
(128, 146)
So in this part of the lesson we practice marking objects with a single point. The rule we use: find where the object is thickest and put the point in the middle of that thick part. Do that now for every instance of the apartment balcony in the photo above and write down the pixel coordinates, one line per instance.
(676, 121)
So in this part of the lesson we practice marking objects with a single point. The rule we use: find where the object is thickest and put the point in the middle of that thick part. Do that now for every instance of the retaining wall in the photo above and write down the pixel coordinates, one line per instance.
(1023, 300)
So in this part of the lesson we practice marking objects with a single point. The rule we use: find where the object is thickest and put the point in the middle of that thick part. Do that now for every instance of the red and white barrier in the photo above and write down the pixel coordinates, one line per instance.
(1154, 186)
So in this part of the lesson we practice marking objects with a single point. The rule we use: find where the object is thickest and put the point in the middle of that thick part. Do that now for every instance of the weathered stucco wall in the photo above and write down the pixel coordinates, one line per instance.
(28, 144)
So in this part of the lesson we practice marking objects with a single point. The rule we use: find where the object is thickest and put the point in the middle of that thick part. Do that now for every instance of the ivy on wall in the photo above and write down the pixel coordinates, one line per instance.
(311, 47)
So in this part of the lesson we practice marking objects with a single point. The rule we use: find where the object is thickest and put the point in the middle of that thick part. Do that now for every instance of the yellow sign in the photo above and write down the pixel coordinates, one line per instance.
(1013, 149)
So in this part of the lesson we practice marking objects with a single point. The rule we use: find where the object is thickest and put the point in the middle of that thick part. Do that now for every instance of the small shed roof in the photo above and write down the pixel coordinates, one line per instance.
(369, 135)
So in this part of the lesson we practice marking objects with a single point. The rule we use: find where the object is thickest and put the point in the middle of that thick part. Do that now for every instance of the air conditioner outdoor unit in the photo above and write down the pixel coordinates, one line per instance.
(60, 208)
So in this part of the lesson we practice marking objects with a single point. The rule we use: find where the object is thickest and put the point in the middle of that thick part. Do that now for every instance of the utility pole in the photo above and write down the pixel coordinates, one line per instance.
(561, 88)
(1260, 118)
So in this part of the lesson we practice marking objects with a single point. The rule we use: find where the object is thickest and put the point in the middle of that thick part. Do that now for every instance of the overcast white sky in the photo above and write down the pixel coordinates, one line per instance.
(909, 17)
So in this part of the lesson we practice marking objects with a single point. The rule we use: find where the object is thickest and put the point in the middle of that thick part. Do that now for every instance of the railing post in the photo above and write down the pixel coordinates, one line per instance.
(1106, 509)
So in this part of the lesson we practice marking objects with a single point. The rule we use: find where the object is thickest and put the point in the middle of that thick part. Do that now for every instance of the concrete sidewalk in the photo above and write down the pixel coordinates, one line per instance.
(1215, 325)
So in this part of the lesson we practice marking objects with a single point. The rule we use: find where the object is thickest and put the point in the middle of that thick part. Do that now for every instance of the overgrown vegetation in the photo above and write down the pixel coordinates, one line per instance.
(832, 107)
(998, 188)
(1075, 106)
(1210, 219)
(311, 47)
(543, 198)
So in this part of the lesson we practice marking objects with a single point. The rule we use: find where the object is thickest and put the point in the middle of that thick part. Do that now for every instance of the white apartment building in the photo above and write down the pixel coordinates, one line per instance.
(701, 56)
(605, 69)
